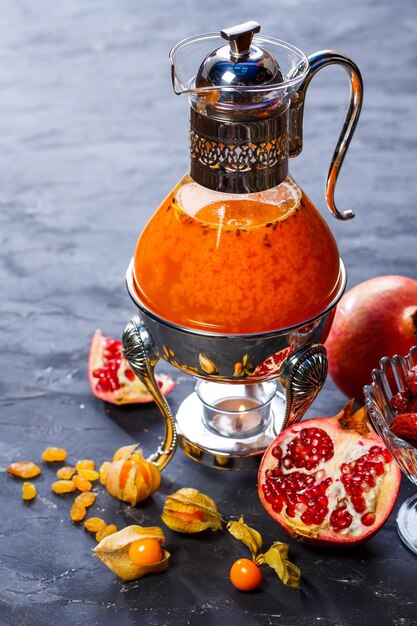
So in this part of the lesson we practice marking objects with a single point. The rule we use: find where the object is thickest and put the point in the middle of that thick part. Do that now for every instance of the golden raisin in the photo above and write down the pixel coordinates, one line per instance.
(106, 531)
(85, 499)
(88, 474)
(54, 454)
(28, 491)
(24, 469)
(82, 484)
(103, 471)
(66, 472)
(63, 486)
(78, 512)
(94, 524)
(85, 464)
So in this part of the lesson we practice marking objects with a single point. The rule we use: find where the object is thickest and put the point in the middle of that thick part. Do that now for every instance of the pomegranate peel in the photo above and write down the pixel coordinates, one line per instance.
(329, 480)
(111, 378)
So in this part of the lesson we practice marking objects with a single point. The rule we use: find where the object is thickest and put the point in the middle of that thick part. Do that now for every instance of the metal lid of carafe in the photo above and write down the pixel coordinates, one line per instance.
(240, 63)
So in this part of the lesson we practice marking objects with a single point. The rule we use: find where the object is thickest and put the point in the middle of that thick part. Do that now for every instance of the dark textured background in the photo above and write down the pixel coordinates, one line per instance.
(92, 138)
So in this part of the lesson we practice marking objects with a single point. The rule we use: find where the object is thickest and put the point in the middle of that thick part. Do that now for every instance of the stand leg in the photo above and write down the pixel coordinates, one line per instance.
(302, 377)
(138, 352)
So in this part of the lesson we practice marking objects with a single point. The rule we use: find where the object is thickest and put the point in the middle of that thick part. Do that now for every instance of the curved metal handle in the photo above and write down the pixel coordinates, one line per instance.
(137, 351)
(302, 377)
(317, 61)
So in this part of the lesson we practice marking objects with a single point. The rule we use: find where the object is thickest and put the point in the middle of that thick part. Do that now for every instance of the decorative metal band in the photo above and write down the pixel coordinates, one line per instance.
(239, 157)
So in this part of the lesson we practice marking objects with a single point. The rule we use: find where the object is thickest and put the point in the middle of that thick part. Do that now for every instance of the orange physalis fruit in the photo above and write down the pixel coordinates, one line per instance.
(245, 575)
(145, 551)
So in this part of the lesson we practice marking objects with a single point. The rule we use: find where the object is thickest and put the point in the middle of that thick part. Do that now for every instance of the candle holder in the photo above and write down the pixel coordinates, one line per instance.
(238, 412)
(233, 424)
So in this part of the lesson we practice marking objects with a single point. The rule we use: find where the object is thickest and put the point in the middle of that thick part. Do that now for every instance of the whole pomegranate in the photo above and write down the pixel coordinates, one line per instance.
(374, 319)
(329, 480)
(112, 379)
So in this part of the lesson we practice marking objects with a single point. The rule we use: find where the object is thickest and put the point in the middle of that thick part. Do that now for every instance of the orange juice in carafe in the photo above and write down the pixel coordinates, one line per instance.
(236, 263)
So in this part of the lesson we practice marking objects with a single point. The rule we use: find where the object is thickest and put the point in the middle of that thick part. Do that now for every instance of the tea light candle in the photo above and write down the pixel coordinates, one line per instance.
(241, 415)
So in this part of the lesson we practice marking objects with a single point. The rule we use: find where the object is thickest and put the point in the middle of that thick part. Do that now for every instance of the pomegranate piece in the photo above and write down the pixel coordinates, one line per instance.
(329, 480)
(112, 379)
(404, 425)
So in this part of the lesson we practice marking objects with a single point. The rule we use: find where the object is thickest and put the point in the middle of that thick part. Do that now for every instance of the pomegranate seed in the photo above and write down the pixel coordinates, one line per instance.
(129, 375)
(340, 519)
(375, 450)
(359, 504)
(323, 485)
(387, 456)
(276, 452)
(277, 506)
(368, 519)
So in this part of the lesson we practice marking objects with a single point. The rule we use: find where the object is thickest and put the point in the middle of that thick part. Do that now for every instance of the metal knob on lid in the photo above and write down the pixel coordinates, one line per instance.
(240, 38)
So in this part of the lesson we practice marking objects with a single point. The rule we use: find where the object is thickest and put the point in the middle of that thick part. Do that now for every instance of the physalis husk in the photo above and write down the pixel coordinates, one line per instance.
(114, 552)
(189, 511)
(276, 557)
(130, 477)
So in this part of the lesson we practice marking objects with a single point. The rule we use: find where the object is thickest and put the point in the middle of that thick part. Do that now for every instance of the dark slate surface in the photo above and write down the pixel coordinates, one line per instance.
(91, 140)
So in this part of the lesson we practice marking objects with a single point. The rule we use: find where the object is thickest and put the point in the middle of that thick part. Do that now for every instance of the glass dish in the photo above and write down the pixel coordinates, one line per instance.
(387, 381)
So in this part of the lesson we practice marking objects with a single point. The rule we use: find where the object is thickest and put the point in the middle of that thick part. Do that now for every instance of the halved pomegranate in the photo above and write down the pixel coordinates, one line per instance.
(329, 480)
(111, 377)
